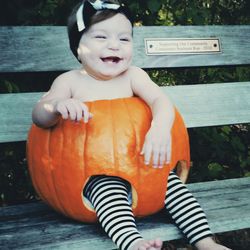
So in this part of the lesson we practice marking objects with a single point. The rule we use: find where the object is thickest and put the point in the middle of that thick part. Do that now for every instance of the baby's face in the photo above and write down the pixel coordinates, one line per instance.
(106, 48)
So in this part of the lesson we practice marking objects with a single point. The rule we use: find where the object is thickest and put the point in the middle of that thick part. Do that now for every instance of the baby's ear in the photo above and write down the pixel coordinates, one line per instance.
(78, 51)
(78, 54)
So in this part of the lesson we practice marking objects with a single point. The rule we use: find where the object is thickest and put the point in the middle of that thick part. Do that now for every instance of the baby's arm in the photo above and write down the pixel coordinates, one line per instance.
(158, 139)
(58, 101)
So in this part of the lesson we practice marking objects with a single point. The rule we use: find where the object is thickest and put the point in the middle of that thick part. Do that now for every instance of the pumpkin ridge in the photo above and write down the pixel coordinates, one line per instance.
(48, 180)
(58, 197)
(136, 143)
(31, 156)
(86, 203)
(48, 183)
(139, 181)
(114, 138)
(90, 106)
(141, 169)
(65, 211)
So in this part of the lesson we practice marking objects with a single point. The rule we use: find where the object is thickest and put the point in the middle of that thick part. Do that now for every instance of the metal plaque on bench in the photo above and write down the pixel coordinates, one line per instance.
(176, 46)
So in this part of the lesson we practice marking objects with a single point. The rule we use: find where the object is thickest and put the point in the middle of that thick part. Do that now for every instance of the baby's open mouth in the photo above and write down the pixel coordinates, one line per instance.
(113, 59)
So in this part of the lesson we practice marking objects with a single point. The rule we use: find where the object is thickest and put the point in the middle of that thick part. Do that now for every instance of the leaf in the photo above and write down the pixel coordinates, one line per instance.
(154, 5)
(10, 87)
(226, 130)
(215, 169)
(237, 144)
(247, 174)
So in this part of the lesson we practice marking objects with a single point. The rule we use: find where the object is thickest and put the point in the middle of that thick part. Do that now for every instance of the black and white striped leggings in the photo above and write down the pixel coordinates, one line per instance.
(109, 197)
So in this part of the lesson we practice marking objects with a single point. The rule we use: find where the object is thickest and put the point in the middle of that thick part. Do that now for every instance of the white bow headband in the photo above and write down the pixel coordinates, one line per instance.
(97, 5)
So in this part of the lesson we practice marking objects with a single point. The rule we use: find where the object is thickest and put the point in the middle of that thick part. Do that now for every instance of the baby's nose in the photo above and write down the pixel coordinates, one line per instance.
(113, 44)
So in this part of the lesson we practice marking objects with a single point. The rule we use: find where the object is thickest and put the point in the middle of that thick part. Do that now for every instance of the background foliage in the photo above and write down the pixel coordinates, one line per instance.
(217, 152)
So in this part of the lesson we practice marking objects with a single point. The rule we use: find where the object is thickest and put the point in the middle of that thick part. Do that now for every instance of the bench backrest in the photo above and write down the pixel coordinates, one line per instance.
(34, 49)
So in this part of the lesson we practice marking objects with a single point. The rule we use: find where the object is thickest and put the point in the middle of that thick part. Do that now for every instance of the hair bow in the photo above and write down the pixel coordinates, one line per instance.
(89, 8)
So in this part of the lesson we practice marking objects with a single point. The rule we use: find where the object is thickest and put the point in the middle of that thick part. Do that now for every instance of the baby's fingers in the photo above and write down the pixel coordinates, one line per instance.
(86, 114)
(63, 111)
(75, 111)
(147, 151)
(169, 150)
(79, 112)
(162, 156)
(156, 154)
(159, 156)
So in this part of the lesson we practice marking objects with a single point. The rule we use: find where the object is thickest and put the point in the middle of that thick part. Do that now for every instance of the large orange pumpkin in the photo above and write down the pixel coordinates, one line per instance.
(61, 159)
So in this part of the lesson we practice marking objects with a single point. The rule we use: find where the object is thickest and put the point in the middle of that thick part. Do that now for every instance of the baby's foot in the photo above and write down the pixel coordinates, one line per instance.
(209, 244)
(147, 245)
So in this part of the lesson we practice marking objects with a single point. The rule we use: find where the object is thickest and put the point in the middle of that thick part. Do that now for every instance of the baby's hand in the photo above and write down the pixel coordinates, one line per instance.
(73, 109)
(157, 146)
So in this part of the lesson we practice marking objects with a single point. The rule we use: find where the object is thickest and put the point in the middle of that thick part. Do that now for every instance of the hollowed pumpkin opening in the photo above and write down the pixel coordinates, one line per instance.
(132, 197)
(182, 170)
(85, 200)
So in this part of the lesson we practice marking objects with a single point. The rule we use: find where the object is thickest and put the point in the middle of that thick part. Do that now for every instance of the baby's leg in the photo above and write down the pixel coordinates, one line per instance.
(185, 210)
(109, 196)
(188, 215)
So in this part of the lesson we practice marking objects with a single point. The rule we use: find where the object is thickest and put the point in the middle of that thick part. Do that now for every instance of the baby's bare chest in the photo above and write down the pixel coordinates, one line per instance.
(92, 91)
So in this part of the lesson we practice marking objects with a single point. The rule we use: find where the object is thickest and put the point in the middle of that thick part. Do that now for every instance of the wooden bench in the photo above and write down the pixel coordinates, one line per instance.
(226, 202)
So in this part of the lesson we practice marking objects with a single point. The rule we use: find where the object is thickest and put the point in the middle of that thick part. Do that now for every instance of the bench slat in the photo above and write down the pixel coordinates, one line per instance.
(201, 105)
(45, 48)
(35, 226)
(212, 104)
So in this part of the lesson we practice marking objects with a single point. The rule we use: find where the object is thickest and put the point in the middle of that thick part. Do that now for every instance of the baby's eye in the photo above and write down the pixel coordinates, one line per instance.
(124, 39)
(100, 37)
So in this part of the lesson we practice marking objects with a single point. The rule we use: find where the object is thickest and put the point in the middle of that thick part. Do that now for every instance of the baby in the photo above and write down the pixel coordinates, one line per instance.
(100, 35)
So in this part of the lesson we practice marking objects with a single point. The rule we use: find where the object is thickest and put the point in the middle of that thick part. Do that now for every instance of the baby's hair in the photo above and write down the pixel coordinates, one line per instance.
(75, 35)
